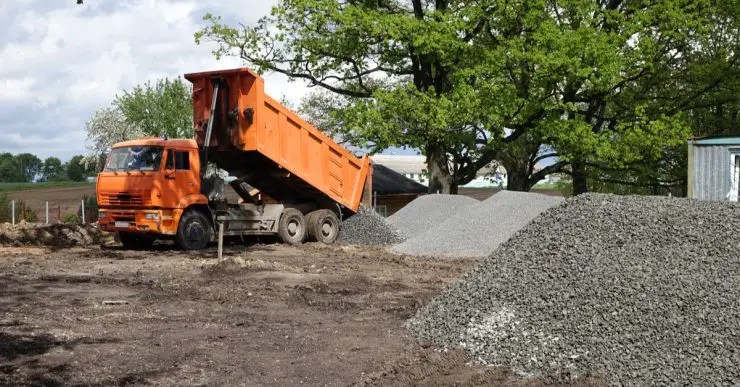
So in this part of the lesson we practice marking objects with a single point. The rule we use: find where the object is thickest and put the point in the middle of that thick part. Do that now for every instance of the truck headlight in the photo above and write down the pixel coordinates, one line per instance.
(152, 216)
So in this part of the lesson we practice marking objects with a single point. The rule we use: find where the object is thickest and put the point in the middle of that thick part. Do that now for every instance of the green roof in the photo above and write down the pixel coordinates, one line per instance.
(720, 140)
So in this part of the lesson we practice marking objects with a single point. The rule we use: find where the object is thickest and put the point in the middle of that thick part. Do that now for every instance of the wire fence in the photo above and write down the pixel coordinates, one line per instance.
(51, 212)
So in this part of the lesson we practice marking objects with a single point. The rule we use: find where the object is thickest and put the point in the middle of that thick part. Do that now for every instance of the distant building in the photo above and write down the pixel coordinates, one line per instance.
(415, 168)
(714, 168)
(392, 191)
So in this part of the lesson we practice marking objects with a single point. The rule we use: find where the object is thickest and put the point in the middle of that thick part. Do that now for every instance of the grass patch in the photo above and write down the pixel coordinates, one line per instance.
(545, 186)
(10, 187)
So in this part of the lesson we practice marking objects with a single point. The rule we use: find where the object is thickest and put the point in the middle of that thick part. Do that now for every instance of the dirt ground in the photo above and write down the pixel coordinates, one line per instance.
(271, 315)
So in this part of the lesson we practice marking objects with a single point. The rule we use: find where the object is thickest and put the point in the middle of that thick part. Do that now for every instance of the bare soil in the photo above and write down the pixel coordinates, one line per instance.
(270, 315)
(67, 199)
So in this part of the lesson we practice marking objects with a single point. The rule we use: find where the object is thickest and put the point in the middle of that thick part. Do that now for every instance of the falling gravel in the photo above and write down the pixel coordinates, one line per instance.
(476, 230)
(366, 227)
(636, 290)
(415, 218)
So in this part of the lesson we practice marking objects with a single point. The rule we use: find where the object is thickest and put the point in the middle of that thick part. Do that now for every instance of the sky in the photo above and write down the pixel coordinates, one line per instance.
(59, 61)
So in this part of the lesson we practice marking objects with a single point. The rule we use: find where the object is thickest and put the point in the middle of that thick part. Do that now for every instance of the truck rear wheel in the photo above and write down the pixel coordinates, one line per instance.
(134, 241)
(292, 226)
(323, 226)
(194, 231)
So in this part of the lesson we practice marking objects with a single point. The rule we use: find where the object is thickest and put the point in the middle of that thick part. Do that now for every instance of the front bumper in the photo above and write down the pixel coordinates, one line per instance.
(143, 221)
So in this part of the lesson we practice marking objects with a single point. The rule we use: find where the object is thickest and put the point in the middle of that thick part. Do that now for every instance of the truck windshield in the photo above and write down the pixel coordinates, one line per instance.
(135, 158)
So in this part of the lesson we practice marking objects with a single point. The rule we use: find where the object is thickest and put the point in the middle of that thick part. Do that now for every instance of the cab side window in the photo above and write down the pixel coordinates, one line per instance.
(182, 160)
(170, 163)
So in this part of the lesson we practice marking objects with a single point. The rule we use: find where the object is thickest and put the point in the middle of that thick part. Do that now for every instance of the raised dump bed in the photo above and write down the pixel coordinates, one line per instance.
(269, 147)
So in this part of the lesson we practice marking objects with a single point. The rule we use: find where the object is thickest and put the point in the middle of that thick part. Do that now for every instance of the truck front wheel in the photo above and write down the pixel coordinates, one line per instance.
(194, 231)
(292, 226)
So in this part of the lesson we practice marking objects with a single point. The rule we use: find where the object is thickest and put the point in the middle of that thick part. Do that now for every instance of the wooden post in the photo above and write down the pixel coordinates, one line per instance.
(47, 212)
(220, 240)
(82, 218)
(12, 210)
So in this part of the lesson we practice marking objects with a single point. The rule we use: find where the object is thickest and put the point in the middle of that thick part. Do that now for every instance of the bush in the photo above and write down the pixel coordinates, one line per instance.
(22, 211)
(91, 209)
(71, 219)
(29, 215)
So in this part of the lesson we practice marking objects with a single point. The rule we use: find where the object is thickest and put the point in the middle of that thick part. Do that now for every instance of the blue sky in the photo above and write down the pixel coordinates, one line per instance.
(60, 61)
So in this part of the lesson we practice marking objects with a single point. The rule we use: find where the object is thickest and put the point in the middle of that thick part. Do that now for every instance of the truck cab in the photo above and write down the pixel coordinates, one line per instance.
(146, 187)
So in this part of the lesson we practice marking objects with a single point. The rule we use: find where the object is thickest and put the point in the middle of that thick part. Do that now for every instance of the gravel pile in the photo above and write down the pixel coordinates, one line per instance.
(56, 235)
(366, 227)
(637, 290)
(478, 229)
(415, 218)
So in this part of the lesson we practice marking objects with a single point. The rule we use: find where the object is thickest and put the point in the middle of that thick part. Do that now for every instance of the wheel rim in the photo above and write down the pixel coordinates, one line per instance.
(327, 229)
(293, 227)
(194, 232)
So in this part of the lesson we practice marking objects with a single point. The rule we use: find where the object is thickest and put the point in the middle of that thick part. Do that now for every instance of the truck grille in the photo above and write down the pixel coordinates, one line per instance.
(126, 199)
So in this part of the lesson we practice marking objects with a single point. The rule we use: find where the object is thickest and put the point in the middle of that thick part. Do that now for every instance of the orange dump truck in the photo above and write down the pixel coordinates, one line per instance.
(293, 180)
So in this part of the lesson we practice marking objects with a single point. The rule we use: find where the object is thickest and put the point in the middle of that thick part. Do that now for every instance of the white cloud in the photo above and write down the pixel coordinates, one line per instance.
(60, 61)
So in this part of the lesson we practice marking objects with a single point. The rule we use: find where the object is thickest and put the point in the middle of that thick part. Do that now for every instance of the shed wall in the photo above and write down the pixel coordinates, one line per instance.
(711, 168)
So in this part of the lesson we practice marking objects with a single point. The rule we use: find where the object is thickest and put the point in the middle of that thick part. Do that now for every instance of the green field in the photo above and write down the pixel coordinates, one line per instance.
(9, 187)
(545, 186)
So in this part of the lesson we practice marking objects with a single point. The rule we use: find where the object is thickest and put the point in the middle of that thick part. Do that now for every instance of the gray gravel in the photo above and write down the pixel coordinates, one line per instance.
(416, 217)
(366, 227)
(637, 290)
(478, 229)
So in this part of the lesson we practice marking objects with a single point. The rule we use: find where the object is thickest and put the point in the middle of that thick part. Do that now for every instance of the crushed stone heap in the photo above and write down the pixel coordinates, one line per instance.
(477, 230)
(427, 211)
(366, 227)
(635, 290)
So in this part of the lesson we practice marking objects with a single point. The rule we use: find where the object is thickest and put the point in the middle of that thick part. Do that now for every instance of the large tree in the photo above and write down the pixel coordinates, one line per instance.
(10, 169)
(29, 165)
(106, 127)
(160, 109)
(76, 170)
(53, 169)
(471, 82)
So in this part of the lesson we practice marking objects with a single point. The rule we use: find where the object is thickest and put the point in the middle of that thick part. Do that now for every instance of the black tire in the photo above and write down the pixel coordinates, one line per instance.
(134, 241)
(194, 231)
(311, 218)
(292, 226)
(324, 226)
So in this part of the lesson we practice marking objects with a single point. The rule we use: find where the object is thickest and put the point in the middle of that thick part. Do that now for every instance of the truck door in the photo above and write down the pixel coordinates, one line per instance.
(180, 177)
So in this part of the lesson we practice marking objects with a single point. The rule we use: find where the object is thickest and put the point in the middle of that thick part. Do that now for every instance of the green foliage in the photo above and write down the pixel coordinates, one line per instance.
(91, 209)
(164, 108)
(71, 219)
(23, 167)
(22, 211)
(30, 166)
(53, 170)
(608, 84)
(10, 169)
(76, 169)
(5, 209)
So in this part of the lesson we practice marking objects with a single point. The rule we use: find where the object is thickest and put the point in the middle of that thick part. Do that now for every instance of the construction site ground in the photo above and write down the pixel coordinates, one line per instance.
(279, 315)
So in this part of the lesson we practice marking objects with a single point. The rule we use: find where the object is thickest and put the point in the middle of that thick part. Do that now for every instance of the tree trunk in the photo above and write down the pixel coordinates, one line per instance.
(517, 180)
(440, 179)
(580, 180)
